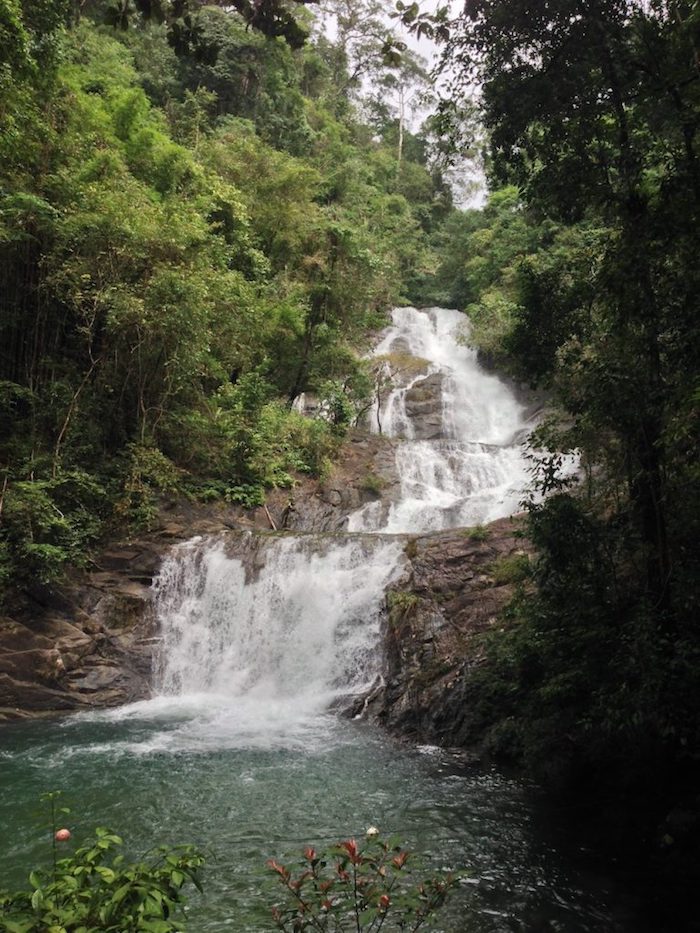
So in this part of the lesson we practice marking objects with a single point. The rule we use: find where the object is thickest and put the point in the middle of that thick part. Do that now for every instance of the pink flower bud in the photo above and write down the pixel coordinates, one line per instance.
(62, 835)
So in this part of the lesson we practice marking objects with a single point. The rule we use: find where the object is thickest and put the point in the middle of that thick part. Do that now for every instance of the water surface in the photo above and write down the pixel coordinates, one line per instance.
(170, 773)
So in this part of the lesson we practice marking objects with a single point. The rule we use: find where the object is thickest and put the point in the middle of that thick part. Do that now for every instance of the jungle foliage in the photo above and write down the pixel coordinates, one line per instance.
(191, 234)
(581, 277)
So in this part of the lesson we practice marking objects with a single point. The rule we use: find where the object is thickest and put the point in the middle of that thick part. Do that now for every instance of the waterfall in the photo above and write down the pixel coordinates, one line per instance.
(261, 633)
(474, 470)
(270, 630)
(264, 636)
(299, 621)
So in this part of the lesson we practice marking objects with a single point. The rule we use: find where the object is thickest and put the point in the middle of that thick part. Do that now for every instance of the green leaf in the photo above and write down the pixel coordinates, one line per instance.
(18, 926)
(121, 893)
(155, 926)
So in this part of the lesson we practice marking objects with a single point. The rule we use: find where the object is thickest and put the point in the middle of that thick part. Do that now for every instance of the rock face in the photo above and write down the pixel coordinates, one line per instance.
(85, 645)
(459, 582)
(424, 407)
(365, 471)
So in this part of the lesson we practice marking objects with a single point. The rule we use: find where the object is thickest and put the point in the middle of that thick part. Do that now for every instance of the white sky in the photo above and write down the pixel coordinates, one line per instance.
(467, 179)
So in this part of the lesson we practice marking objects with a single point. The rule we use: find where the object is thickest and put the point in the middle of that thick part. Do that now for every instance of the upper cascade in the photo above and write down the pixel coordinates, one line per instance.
(472, 468)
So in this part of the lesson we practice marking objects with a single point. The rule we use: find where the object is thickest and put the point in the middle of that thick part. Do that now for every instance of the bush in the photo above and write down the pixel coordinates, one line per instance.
(354, 887)
(96, 891)
(511, 569)
(402, 602)
(373, 483)
(147, 472)
(477, 533)
(48, 522)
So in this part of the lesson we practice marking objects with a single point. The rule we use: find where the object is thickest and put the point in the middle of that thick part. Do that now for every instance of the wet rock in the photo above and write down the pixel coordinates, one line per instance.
(18, 637)
(173, 530)
(96, 679)
(91, 648)
(437, 614)
(22, 698)
(424, 407)
(45, 665)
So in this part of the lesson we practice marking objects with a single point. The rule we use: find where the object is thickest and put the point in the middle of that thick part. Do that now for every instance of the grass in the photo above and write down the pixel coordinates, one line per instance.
(512, 569)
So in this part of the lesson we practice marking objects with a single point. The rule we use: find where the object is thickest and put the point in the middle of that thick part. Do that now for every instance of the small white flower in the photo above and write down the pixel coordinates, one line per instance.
(372, 832)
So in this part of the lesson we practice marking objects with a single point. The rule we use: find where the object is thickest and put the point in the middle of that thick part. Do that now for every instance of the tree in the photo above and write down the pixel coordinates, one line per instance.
(363, 46)
(273, 18)
(591, 109)
(187, 239)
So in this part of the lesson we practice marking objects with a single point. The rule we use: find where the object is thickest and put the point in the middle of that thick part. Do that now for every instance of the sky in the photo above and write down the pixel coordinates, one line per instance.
(467, 178)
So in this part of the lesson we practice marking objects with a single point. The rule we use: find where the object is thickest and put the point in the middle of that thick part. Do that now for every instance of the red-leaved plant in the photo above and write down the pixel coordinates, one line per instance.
(357, 887)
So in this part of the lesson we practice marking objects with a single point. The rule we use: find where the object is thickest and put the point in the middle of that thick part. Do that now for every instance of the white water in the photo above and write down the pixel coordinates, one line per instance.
(475, 471)
(261, 634)
(293, 622)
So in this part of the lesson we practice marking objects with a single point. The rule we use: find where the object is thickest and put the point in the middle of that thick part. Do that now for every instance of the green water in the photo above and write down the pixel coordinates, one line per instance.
(143, 774)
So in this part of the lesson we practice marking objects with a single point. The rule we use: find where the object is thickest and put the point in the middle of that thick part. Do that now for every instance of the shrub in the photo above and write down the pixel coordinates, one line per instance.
(512, 569)
(48, 522)
(477, 533)
(401, 602)
(96, 891)
(147, 471)
(373, 483)
(354, 887)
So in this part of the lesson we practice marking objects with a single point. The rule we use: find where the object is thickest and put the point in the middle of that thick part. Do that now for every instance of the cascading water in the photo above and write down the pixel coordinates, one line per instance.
(265, 632)
(474, 470)
(272, 636)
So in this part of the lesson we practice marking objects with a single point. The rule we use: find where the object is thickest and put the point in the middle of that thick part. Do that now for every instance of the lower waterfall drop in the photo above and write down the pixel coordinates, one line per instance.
(266, 632)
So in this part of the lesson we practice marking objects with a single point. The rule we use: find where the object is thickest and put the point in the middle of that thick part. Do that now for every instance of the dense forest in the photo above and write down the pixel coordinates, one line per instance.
(205, 212)
(198, 224)
(582, 278)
